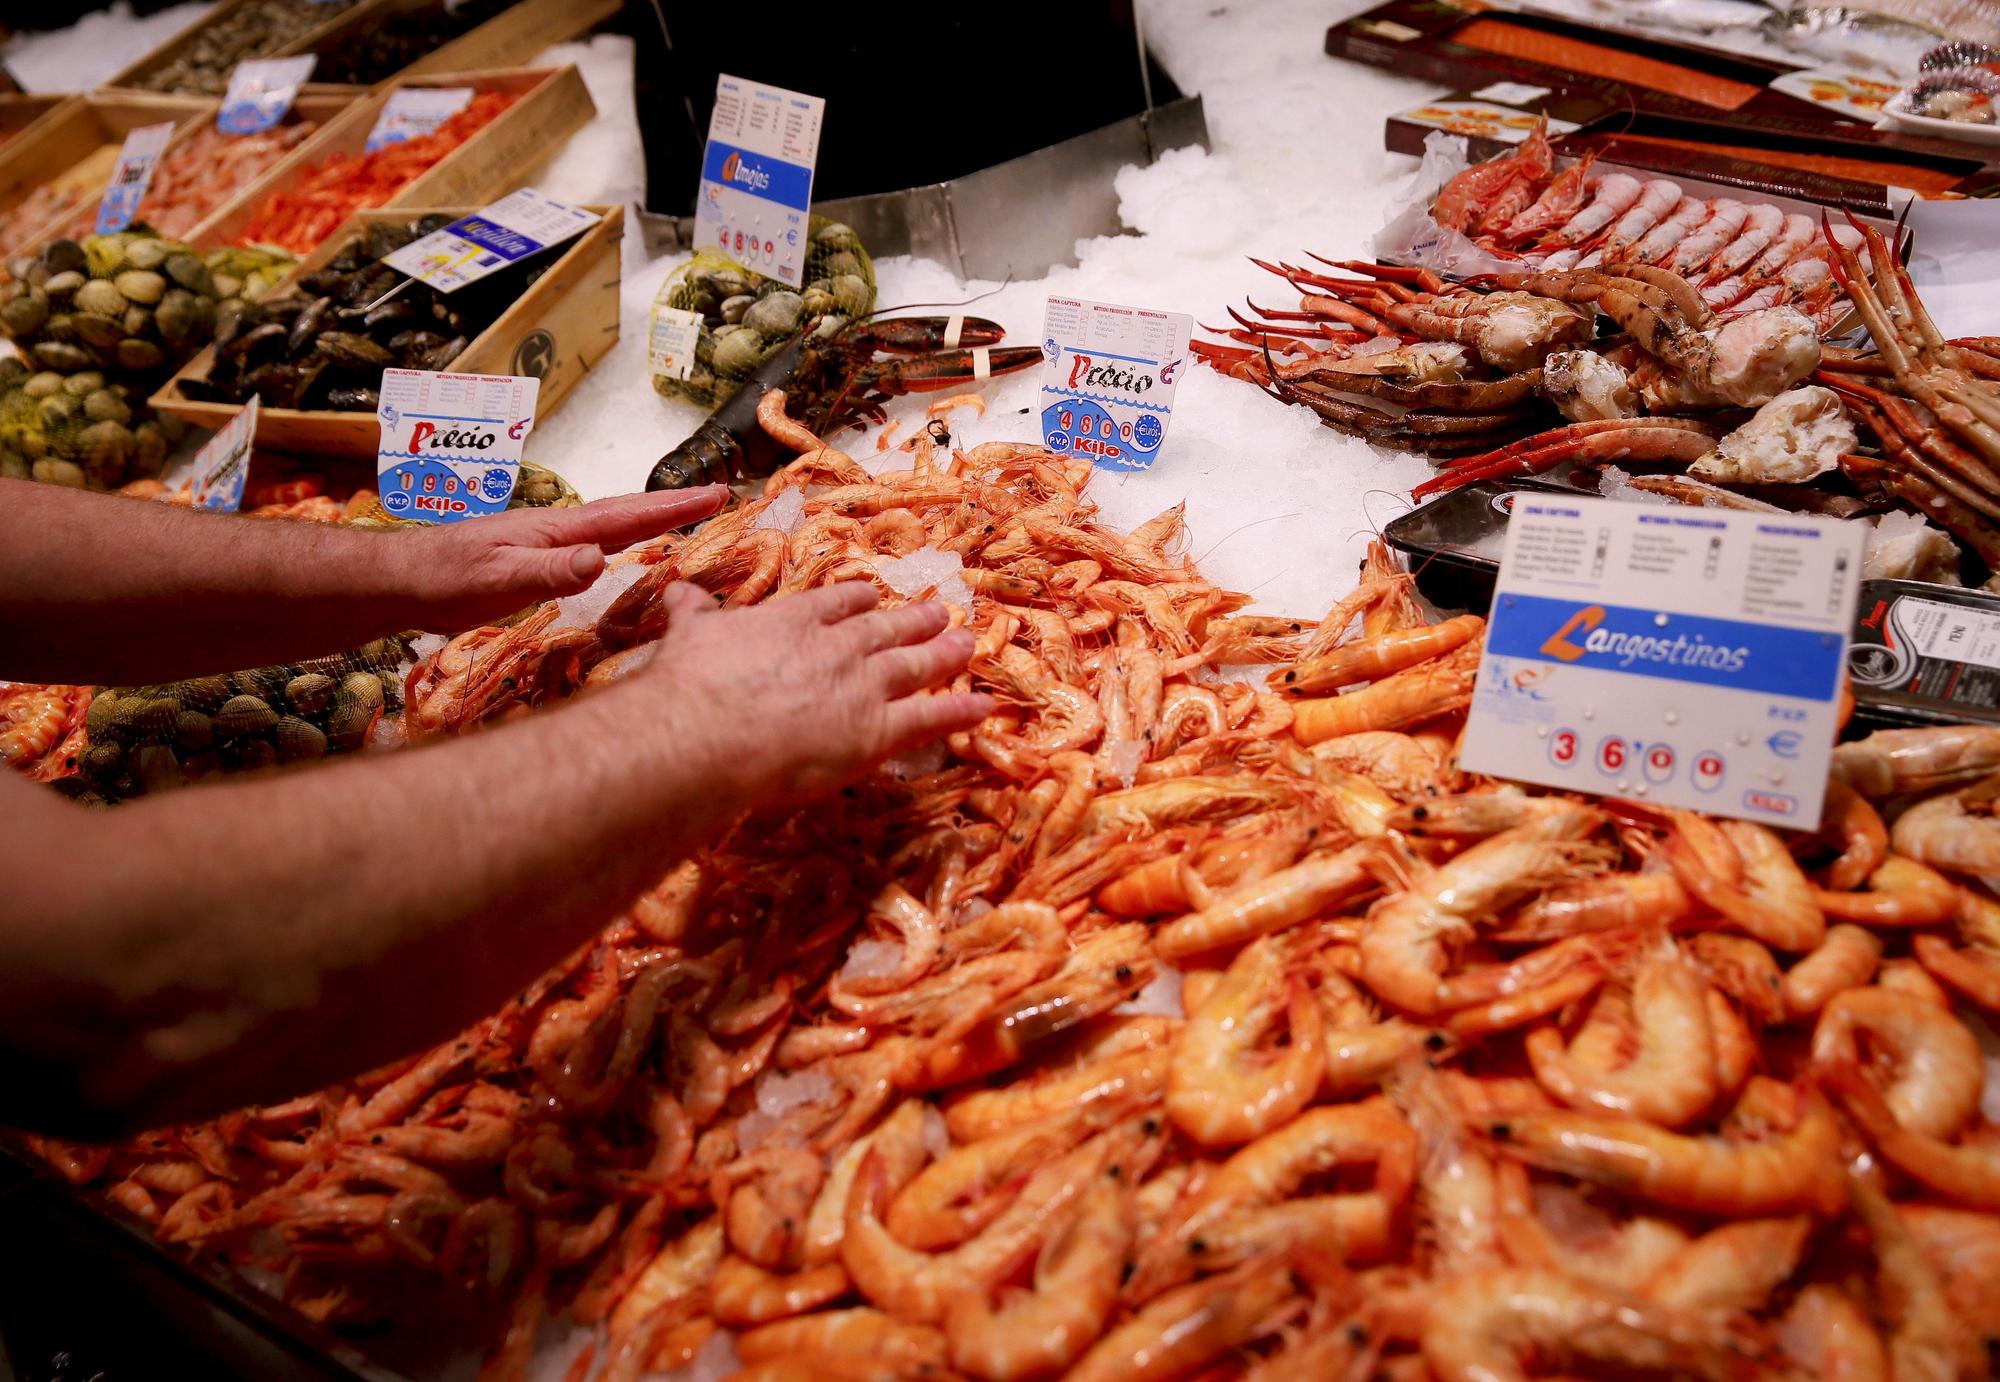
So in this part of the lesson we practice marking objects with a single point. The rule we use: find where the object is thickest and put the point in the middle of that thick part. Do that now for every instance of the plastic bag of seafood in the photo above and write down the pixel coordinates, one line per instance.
(145, 739)
(134, 303)
(746, 318)
(78, 429)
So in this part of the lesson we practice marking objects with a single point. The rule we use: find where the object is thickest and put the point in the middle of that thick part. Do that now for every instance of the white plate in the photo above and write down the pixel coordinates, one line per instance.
(1901, 119)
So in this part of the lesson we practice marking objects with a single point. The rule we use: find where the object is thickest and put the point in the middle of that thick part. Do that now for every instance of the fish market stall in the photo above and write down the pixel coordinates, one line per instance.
(1217, 1007)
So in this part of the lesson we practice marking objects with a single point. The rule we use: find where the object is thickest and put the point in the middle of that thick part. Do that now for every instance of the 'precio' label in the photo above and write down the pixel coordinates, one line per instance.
(451, 443)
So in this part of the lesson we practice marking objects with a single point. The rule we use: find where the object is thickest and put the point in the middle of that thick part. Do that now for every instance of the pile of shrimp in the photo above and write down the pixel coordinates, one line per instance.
(1168, 1025)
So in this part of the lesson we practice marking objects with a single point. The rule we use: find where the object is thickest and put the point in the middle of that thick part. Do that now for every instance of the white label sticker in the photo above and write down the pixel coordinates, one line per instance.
(1108, 380)
(1949, 632)
(261, 91)
(141, 151)
(518, 225)
(755, 198)
(223, 465)
(1477, 120)
(1690, 657)
(671, 343)
(451, 443)
(1511, 93)
(411, 111)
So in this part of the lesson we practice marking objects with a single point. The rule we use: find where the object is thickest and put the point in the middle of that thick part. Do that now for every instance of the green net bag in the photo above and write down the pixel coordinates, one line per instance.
(746, 318)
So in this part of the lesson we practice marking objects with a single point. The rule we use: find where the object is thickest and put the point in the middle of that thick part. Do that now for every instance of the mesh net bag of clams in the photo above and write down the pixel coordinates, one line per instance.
(144, 739)
(746, 318)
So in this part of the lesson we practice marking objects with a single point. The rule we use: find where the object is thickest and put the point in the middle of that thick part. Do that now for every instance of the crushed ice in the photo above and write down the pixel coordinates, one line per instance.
(784, 513)
(1122, 760)
(778, 1093)
(712, 1362)
(1161, 998)
(916, 763)
(581, 610)
(937, 1137)
(927, 569)
(872, 959)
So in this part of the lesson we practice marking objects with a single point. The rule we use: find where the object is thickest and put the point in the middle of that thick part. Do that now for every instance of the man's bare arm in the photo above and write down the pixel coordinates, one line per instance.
(99, 589)
(233, 943)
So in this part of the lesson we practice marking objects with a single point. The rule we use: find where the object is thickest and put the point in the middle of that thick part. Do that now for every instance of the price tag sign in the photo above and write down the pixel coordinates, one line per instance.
(129, 180)
(222, 466)
(518, 225)
(1686, 656)
(1108, 380)
(451, 443)
(756, 176)
(411, 111)
(261, 91)
(671, 341)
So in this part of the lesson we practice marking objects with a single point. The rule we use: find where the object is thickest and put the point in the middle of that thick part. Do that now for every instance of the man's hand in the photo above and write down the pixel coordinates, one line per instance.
(797, 696)
(471, 573)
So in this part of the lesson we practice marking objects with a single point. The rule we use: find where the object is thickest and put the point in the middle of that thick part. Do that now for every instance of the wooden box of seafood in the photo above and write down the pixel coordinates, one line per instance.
(313, 350)
(59, 168)
(412, 38)
(21, 112)
(515, 122)
(198, 60)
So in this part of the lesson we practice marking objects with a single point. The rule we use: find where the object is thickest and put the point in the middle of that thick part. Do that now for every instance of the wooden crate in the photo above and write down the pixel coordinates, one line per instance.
(78, 142)
(561, 326)
(20, 113)
(513, 38)
(502, 156)
(129, 79)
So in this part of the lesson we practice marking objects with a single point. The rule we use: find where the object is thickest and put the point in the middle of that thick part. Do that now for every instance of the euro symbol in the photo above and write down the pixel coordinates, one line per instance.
(1583, 621)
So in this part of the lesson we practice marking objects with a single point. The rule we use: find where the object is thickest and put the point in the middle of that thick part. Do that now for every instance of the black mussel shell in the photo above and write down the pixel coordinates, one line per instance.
(259, 342)
(353, 398)
(349, 351)
(207, 391)
(442, 357)
(390, 314)
(308, 325)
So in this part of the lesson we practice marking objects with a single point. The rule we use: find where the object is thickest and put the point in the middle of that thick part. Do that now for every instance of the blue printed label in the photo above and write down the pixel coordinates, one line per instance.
(261, 91)
(756, 177)
(451, 443)
(489, 240)
(133, 175)
(1108, 384)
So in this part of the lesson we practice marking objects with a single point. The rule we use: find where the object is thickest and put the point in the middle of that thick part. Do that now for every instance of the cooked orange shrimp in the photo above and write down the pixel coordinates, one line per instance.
(1973, 974)
(1479, 1325)
(859, 1333)
(1220, 1087)
(1182, 801)
(1954, 831)
(1671, 1078)
(1555, 1226)
(1400, 763)
(680, 1271)
(1846, 959)
(1614, 902)
(1858, 829)
(1967, 1172)
(1964, 1247)
(1708, 1175)
(1404, 947)
(1927, 1340)
(1458, 1189)
(1933, 1063)
(1261, 906)
(741, 1292)
(1361, 1045)
(1372, 658)
(1041, 1331)
(1407, 698)
(1773, 903)
(1902, 892)
(1174, 1335)
(1735, 1267)
(1744, 969)
(1891, 762)
(1832, 1336)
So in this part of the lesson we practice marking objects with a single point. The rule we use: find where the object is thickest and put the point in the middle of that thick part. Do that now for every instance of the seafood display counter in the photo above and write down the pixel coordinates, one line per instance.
(1198, 1014)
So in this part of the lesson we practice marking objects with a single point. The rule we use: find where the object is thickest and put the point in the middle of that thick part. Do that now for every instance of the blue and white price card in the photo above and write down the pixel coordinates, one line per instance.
(1108, 380)
(756, 177)
(415, 110)
(261, 91)
(133, 174)
(518, 225)
(223, 465)
(1690, 657)
(451, 443)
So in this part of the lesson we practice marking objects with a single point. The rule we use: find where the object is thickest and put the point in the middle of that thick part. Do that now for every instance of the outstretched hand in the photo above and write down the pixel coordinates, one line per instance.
(797, 696)
(484, 569)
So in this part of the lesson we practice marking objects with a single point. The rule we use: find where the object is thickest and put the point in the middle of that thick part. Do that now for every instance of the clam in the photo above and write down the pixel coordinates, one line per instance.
(776, 314)
(358, 688)
(149, 451)
(102, 762)
(265, 683)
(42, 384)
(135, 354)
(203, 693)
(193, 730)
(56, 411)
(97, 720)
(147, 254)
(100, 297)
(836, 236)
(105, 447)
(61, 355)
(105, 405)
(247, 755)
(191, 275)
(734, 308)
(25, 314)
(183, 318)
(853, 294)
(83, 385)
(145, 287)
(298, 739)
(96, 330)
(61, 286)
(243, 717)
(310, 693)
(64, 256)
(51, 471)
(819, 302)
(841, 262)
(738, 353)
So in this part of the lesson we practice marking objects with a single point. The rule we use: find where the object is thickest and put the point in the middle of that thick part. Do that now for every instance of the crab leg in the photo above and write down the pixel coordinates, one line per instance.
(1921, 447)
(1960, 520)
(1424, 279)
